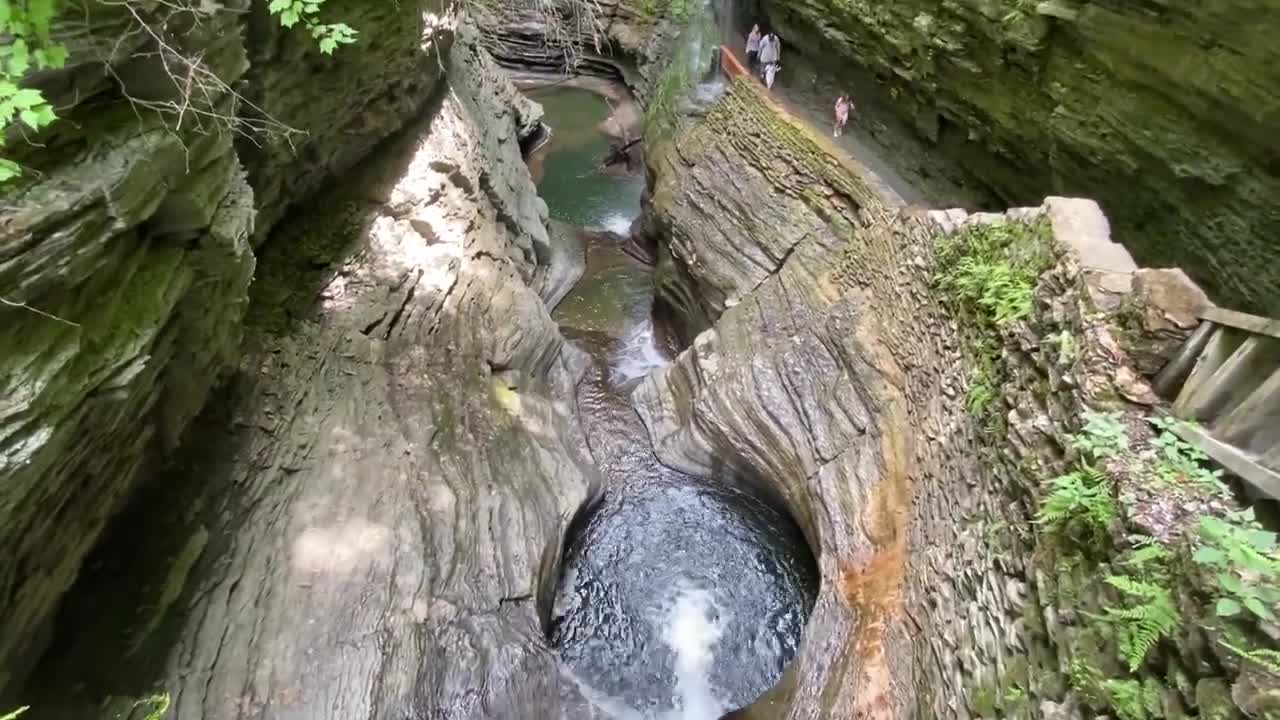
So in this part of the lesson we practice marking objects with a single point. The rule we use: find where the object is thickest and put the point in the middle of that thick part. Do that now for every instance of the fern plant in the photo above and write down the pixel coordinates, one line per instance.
(1149, 617)
(1133, 700)
(1265, 658)
(1079, 506)
(990, 270)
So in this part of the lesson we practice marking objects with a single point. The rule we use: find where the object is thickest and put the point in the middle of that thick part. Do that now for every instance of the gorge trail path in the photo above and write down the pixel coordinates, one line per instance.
(795, 94)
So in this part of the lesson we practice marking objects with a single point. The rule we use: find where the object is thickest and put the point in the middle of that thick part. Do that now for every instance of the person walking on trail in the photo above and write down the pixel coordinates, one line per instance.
(770, 54)
(753, 48)
(843, 105)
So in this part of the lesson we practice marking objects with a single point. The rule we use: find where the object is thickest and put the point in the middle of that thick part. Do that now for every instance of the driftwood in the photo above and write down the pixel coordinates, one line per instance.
(620, 153)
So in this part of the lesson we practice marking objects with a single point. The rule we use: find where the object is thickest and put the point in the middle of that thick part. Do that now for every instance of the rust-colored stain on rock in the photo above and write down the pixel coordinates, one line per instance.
(872, 586)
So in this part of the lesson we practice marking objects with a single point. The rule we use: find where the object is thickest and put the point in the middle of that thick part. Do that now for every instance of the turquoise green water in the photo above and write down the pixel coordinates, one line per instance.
(574, 191)
(614, 295)
(616, 292)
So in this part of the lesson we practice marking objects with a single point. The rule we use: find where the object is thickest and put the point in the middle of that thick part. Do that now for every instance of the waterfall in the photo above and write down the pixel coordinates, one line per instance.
(692, 631)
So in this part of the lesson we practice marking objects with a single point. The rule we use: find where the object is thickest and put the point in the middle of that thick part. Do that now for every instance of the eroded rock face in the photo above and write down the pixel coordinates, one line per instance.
(134, 232)
(630, 36)
(135, 242)
(1160, 112)
(342, 104)
(386, 492)
(824, 378)
(830, 373)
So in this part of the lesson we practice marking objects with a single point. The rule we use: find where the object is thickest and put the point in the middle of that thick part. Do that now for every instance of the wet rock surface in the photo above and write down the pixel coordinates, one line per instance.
(678, 597)
(366, 525)
(129, 245)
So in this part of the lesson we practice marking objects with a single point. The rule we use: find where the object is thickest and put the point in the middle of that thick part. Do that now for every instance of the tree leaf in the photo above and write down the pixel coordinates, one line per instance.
(1230, 583)
(1206, 555)
(1227, 607)
(1214, 527)
(19, 58)
(1262, 540)
(27, 98)
(1256, 607)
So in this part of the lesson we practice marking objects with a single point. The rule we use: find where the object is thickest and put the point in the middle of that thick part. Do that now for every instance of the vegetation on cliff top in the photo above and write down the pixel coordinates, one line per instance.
(987, 272)
(28, 27)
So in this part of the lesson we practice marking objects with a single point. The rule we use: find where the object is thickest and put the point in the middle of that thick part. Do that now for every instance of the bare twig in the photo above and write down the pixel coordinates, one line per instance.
(200, 93)
(37, 311)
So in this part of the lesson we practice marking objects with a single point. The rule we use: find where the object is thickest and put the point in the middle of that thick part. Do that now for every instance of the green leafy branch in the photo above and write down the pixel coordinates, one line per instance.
(1177, 460)
(1245, 564)
(26, 24)
(1103, 436)
(307, 12)
(1148, 616)
(1079, 506)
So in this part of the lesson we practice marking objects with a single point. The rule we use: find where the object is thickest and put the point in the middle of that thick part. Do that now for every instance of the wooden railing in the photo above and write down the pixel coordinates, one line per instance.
(730, 64)
(1226, 377)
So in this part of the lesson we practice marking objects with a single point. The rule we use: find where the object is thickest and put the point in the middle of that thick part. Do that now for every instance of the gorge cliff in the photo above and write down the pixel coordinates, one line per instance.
(829, 368)
(1163, 112)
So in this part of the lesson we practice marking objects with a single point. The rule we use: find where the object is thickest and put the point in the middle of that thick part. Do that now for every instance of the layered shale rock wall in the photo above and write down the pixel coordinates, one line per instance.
(631, 37)
(131, 235)
(1163, 112)
(825, 369)
(387, 485)
(345, 103)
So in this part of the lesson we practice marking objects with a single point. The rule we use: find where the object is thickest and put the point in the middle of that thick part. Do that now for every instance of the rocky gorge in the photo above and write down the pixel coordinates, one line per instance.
(1162, 111)
(360, 444)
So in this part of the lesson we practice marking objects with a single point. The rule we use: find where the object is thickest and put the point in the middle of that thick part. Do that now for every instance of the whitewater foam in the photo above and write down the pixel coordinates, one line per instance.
(693, 629)
(618, 223)
(638, 356)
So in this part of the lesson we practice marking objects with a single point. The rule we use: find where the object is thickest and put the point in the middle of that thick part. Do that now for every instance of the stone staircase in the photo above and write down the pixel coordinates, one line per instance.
(1226, 377)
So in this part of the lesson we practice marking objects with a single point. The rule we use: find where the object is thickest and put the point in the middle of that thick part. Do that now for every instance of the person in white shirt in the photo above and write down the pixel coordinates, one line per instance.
(770, 54)
(753, 48)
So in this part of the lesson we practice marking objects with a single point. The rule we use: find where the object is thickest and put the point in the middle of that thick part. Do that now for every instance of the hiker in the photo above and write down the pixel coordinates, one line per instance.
(753, 48)
(843, 105)
(770, 53)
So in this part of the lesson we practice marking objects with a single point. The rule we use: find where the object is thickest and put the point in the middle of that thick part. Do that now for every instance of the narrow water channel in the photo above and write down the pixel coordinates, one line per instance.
(680, 597)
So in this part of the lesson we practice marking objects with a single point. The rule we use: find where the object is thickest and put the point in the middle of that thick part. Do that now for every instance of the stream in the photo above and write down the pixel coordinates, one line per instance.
(679, 597)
